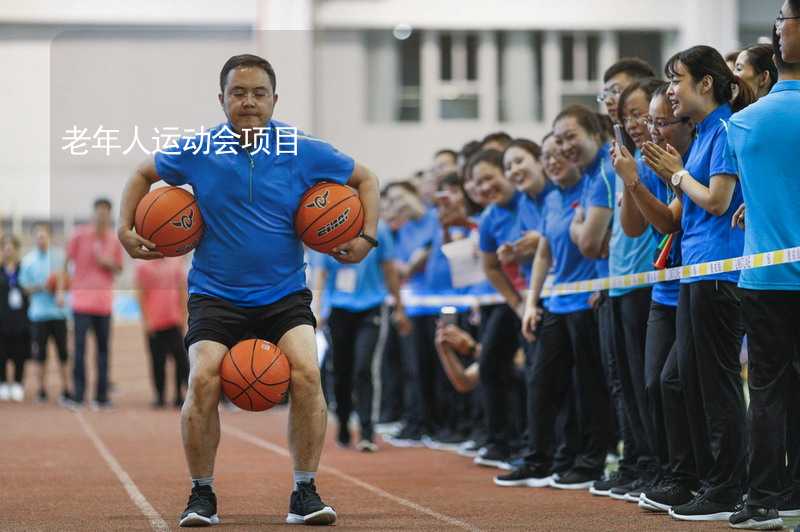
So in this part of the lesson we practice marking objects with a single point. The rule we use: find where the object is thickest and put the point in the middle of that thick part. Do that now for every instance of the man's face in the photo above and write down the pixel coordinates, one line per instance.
(102, 215)
(248, 100)
(42, 238)
(611, 91)
(789, 34)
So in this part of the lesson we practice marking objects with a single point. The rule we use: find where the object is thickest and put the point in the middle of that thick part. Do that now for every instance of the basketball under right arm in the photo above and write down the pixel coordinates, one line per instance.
(135, 189)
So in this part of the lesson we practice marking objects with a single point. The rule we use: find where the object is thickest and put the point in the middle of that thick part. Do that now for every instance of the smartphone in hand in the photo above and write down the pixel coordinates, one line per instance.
(448, 315)
(618, 135)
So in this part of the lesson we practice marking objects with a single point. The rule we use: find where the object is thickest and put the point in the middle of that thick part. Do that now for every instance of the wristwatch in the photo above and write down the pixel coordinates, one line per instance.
(372, 241)
(677, 177)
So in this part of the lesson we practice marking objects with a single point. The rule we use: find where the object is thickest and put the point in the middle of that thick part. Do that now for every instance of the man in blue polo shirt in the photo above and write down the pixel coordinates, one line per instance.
(763, 140)
(248, 275)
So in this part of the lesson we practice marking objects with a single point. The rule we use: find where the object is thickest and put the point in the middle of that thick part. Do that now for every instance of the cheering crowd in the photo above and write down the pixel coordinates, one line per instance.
(697, 168)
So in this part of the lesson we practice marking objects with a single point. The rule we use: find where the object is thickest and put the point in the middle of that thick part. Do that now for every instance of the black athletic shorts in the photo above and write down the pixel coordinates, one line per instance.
(218, 320)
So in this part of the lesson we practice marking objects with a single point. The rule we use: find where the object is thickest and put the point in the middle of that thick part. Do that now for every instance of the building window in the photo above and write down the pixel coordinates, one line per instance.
(644, 44)
(409, 108)
(459, 98)
(393, 77)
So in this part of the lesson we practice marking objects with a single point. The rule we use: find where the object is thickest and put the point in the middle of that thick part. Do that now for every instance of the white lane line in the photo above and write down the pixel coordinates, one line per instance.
(156, 522)
(277, 449)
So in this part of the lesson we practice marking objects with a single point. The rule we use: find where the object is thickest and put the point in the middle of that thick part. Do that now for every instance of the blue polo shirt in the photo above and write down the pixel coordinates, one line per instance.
(665, 293)
(359, 287)
(530, 219)
(627, 255)
(568, 263)
(249, 254)
(763, 141)
(500, 224)
(707, 237)
(412, 236)
(35, 269)
(599, 192)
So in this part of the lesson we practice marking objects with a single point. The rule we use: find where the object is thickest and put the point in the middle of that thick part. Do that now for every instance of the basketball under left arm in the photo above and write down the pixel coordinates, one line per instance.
(366, 183)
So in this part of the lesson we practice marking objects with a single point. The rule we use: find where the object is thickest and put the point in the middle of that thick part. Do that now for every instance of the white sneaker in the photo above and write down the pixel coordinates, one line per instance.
(4, 392)
(16, 392)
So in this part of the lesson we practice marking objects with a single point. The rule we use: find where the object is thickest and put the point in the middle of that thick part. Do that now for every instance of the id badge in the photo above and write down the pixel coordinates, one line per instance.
(346, 280)
(14, 299)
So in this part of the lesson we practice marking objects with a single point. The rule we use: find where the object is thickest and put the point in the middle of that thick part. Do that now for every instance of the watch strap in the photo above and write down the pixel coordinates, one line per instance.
(374, 243)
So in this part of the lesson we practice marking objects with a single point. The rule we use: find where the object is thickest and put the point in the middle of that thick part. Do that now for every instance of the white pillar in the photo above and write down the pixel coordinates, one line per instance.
(383, 66)
(519, 89)
(580, 56)
(608, 53)
(551, 75)
(487, 78)
(429, 76)
(286, 39)
(711, 22)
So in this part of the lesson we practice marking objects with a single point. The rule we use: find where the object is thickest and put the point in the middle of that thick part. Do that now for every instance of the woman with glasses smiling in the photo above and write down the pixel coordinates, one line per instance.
(650, 202)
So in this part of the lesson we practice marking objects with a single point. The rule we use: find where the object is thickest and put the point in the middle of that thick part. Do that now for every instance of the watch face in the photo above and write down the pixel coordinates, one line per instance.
(676, 179)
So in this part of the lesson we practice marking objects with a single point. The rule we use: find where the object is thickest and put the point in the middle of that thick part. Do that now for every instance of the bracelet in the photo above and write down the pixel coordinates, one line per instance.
(633, 186)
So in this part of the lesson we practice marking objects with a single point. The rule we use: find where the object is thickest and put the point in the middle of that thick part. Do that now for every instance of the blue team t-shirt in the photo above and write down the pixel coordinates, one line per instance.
(568, 263)
(763, 142)
(598, 191)
(249, 254)
(499, 224)
(35, 269)
(665, 293)
(627, 255)
(361, 286)
(707, 237)
(530, 219)
(412, 236)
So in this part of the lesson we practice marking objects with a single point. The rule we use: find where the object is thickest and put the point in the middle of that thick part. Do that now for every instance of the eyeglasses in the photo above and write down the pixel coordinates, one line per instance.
(661, 124)
(607, 93)
(641, 120)
(780, 18)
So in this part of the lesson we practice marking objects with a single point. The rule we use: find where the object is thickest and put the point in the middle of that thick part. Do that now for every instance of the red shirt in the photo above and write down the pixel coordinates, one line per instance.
(162, 288)
(91, 285)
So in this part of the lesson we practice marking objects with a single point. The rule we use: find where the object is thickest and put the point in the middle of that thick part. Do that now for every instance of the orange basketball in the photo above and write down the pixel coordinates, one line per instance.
(255, 375)
(328, 215)
(169, 218)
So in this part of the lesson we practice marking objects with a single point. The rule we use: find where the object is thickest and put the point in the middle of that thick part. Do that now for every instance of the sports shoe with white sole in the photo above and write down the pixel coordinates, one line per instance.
(307, 508)
(201, 510)
(524, 476)
(573, 480)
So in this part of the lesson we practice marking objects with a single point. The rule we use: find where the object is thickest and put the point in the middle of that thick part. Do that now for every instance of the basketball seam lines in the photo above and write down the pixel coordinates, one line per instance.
(324, 213)
(257, 377)
(157, 229)
(352, 223)
(147, 211)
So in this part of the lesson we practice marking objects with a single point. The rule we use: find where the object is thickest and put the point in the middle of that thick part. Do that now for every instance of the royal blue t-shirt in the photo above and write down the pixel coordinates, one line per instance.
(665, 293)
(250, 254)
(530, 219)
(361, 286)
(598, 191)
(707, 237)
(763, 141)
(568, 263)
(500, 224)
(412, 236)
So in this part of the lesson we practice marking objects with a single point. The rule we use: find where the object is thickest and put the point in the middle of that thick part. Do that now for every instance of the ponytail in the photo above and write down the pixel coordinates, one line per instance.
(744, 95)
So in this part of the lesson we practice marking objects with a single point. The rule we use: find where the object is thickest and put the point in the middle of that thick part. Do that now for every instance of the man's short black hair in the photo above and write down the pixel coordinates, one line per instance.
(104, 202)
(246, 60)
(447, 151)
(632, 66)
(498, 136)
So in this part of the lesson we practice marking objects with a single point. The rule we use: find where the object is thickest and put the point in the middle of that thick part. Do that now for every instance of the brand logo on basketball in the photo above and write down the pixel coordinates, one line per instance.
(341, 219)
(320, 202)
(185, 221)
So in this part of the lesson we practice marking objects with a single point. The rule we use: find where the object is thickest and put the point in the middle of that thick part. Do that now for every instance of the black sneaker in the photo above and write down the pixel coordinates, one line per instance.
(635, 490)
(201, 510)
(701, 508)
(756, 518)
(495, 456)
(306, 508)
(603, 487)
(407, 437)
(573, 480)
(525, 475)
(662, 498)
(790, 507)
(619, 492)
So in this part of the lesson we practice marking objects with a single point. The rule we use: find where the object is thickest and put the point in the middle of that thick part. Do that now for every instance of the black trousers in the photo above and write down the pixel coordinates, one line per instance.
(499, 343)
(604, 314)
(101, 325)
(630, 312)
(164, 343)
(15, 348)
(773, 335)
(709, 335)
(568, 348)
(392, 377)
(42, 332)
(354, 336)
(659, 346)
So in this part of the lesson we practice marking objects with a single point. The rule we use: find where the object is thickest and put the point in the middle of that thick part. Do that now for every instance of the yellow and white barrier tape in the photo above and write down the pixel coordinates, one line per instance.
(747, 262)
